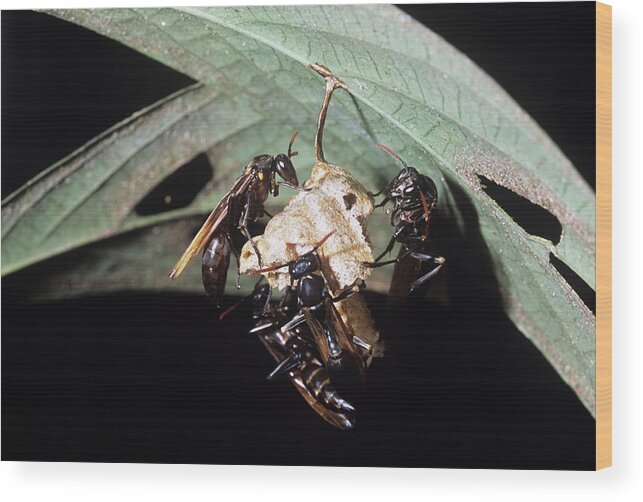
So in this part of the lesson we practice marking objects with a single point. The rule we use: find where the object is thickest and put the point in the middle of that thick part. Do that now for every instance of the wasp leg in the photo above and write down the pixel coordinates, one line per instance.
(291, 362)
(411, 245)
(266, 305)
(236, 255)
(346, 293)
(381, 204)
(269, 324)
(334, 349)
(246, 232)
(387, 189)
(288, 185)
(293, 323)
(376, 194)
(243, 225)
(361, 343)
(437, 260)
(384, 263)
(389, 248)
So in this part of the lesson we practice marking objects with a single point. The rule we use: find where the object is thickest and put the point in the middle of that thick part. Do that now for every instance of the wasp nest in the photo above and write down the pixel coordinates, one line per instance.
(333, 200)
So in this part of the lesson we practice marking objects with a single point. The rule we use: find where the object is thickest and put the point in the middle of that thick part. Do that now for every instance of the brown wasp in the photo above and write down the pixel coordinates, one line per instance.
(242, 205)
(414, 197)
(317, 309)
(295, 354)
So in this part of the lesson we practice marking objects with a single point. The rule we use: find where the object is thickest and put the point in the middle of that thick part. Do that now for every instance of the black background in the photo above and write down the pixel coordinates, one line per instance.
(154, 378)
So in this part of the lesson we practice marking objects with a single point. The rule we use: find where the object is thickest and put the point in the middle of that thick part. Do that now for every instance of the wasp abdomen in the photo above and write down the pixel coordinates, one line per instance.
(214, 266)
(318, 380)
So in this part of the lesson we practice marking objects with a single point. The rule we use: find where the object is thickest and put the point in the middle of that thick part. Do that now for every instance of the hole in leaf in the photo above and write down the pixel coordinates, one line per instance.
(177, 190)
(583, 290)
(534, 219)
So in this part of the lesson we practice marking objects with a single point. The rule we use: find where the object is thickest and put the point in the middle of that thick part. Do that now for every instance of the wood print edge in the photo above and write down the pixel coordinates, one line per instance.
(604, 235)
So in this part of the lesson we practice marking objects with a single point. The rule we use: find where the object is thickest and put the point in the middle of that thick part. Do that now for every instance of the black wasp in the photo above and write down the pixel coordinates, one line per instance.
(414, 197)
(317, 309)
(295, 353)
(242, 205)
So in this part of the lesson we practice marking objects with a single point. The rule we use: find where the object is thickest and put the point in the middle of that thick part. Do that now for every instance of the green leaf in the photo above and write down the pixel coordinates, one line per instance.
(136, 260)
(411, 91)
(91, 194)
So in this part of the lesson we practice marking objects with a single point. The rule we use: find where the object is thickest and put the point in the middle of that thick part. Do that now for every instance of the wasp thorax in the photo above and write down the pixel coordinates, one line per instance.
(261, 162)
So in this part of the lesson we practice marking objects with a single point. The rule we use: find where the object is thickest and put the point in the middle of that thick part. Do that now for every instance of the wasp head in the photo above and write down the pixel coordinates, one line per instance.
(284, 168)
(411, 185)
(405, 184)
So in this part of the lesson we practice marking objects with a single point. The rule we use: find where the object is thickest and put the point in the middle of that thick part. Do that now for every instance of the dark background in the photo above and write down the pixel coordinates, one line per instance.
(155, 378)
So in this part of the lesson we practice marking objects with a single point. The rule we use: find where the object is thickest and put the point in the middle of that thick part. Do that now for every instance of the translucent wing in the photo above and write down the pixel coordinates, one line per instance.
(216, 218)
(405, 272)
(340, 420)
(318, 333)
(344, 336)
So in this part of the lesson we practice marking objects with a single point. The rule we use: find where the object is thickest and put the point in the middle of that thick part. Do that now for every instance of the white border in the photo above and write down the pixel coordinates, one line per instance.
(116, 482)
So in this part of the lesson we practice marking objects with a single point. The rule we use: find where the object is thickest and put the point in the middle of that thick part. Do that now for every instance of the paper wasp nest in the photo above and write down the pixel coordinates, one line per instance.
(333, 201)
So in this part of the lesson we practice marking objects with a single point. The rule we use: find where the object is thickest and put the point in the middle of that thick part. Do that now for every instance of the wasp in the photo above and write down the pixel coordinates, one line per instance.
(242, 205)
(316, 308)
(295, 354)
(414, 197)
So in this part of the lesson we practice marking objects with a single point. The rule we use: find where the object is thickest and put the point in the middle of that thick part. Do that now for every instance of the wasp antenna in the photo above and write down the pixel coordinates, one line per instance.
(230, 309)
(292, 142)
(391, 153)
(255, 287)
(268, 269)
(236, 305)
(321, 242)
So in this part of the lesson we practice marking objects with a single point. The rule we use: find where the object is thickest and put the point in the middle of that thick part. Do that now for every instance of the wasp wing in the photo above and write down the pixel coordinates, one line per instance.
(335, 418)
(216, 218)
(406, 270)
(344, 335)
(318, 333)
